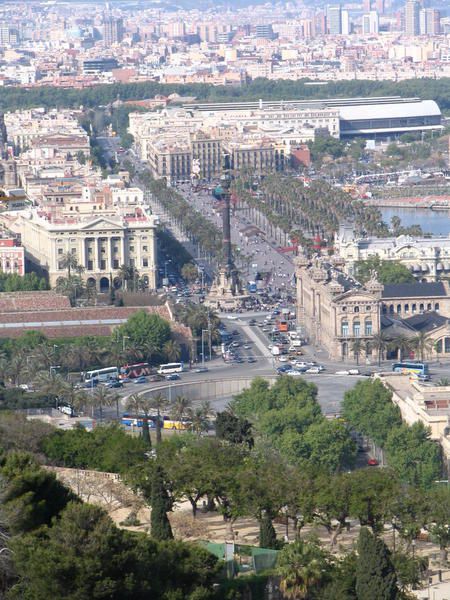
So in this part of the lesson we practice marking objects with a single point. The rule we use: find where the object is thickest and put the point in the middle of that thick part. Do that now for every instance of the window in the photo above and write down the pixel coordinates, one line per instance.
(439, 347)
(368, 327)
(60, 251)
(73, 250)
(421, 307)
(60, 265)
(115, 264)
(414, 308)
(144, 248)
(344, 328)
(89, 250)
(145, 262)
(368, 308)
(131, 248)
(399, 308)
(103, 265)
(344, 309)
(90, 265)
(116, 249)
(447, 345)
(429, 306)
(436, 307)
(406, 309)
(356, 328)
(356, 309)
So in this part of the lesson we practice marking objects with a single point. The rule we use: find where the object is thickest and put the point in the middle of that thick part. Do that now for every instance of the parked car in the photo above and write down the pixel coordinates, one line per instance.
(293, 373)
(154, 378)
(314, 370)
(141, 379)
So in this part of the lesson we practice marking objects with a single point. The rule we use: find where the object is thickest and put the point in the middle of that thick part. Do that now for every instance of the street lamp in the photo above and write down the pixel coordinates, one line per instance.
(203, 346)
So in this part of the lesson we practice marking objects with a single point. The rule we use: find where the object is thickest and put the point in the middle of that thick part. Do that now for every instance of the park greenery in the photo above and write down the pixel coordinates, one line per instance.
(30, 282)
(13, 98)
(198, 229)
(274, 456)
(301, 211)
(387, 271)
(409, 451)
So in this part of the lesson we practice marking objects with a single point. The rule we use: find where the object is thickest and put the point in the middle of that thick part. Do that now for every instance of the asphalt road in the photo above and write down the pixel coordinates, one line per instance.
(264, 253)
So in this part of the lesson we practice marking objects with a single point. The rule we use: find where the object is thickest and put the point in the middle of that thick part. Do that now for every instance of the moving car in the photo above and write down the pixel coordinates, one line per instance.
(201, 370)
(172, 377)
(141, 379)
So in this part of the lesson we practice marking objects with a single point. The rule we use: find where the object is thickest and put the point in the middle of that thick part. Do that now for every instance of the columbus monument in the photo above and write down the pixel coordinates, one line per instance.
(226, 291)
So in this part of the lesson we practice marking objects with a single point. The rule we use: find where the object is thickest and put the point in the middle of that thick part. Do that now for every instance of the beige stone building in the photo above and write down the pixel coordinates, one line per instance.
(102, 243)
(428, 258)
(334, 310)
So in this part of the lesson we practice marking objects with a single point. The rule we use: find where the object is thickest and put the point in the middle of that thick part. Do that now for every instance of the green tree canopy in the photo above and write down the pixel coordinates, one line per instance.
(375, 574)
(388, 271)
(143, 328)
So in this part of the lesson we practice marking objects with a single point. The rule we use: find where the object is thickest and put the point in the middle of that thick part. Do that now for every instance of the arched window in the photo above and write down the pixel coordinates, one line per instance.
(391, 309)
(447, 345)
(406, 308)
(356, 309)
(414, 308)
(368, 327)
(356, 328)
(439, 346)
(429, 306)
(421, 307)
(344, 328)
(399, 308)
(436, 307)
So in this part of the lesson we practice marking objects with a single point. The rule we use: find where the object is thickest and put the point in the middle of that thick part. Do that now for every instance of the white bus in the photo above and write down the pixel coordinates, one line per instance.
(101, 374)
(171, 368)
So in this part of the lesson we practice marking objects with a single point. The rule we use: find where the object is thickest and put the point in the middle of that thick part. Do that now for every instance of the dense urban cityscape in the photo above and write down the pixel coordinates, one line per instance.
(225, 300)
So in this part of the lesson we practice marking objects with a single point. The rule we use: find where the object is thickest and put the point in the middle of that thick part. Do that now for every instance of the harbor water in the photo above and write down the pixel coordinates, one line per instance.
(434, 222)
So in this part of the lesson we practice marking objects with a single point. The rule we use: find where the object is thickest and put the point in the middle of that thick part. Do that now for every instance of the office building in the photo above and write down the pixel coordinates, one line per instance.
(112, 31)
(412, 23)
(264, 32)
(429, 21)
(370, 23)
(334, 20)
(346, 23)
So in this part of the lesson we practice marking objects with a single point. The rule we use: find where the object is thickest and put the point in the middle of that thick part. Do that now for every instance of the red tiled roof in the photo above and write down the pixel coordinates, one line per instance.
(11, 302)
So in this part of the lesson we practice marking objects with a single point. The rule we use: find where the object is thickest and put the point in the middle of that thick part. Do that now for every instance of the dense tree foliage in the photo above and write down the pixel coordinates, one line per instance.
(388, 271)
(144, 330)
(289, 415)
(30, 282)
(13, 98)
(106, 448)
(375, 574)
(369, 409)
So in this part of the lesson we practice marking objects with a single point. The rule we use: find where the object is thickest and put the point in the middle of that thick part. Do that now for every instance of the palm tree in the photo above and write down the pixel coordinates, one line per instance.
(101, 397)
(51, 384)
(302, 567)
(158, 403)
(199, 418)
(357, 347)
(180, 408)
(140, 405)
(403, 344)
(172, 350)
(423, 344)
(379, 343)
(69, 261)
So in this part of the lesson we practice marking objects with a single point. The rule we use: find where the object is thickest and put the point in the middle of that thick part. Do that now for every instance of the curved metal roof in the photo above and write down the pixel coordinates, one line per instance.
(425, 108)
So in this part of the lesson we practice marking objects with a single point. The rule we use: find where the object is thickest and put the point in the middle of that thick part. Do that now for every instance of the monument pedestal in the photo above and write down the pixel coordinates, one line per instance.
(226, 293)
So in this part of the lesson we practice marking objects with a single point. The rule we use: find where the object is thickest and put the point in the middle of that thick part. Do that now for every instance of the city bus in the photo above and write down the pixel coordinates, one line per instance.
(132, 421)
(411, 367)
(101, 374)
(135, 370)
(170, 368)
